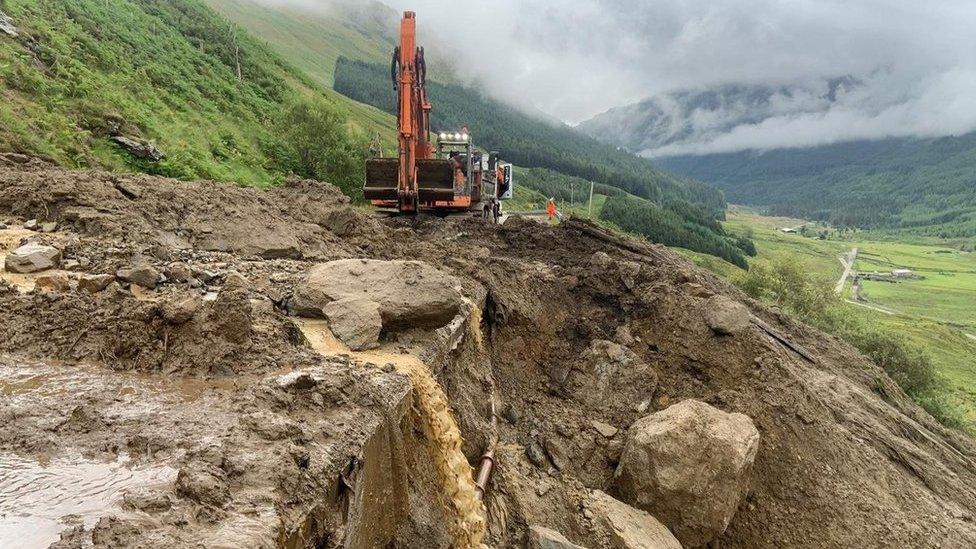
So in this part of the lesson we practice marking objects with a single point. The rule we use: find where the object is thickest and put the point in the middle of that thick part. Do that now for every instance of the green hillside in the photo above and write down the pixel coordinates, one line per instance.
(165, 71)
(313, 42)
(915, 186)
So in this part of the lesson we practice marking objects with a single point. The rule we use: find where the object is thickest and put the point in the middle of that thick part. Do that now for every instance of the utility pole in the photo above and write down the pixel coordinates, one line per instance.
(589, 209)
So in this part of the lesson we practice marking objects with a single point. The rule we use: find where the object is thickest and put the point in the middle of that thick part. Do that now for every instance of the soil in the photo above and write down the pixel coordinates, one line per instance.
(233, 427)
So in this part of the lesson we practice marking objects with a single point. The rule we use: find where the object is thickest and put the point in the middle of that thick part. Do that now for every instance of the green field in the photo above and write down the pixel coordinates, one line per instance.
(936, 312)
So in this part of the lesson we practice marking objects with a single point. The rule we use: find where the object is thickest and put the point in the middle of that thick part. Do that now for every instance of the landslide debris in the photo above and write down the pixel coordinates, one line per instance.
(574, 337)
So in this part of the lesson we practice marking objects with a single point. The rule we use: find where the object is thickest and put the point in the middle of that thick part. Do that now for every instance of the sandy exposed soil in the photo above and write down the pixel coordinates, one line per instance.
(238, 425)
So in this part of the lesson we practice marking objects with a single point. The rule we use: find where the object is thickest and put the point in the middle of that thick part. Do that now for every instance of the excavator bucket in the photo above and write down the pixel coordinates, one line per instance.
(435, 179)
(382, 176)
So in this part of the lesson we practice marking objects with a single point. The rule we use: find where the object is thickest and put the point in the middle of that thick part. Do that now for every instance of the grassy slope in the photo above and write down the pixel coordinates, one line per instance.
(166, 70)
(935, 313)
(101, 59)
(312, 44)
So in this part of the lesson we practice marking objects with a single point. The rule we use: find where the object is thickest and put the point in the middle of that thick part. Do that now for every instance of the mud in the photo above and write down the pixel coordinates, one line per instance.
(281, 438)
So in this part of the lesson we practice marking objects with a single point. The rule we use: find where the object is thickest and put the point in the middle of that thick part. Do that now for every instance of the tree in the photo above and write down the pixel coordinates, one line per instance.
(317, 145)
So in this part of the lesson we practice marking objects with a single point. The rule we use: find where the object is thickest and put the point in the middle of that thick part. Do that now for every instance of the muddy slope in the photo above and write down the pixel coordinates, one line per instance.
(267, 447)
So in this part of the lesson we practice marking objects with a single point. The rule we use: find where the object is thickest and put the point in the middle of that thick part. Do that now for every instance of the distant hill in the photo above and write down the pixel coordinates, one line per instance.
(679, 121)
(922, 186)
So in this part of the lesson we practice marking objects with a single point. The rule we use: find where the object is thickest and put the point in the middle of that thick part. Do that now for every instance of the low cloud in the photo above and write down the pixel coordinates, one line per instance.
(574, 59)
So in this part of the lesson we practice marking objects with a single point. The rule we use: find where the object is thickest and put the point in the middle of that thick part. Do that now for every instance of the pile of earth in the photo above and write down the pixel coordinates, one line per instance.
(636, 396)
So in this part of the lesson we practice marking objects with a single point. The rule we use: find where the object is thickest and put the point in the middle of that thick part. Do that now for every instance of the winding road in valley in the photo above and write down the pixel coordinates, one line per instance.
(847, 261)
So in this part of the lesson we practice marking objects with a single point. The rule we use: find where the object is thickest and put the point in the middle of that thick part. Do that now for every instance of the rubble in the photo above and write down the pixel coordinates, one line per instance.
(279, 437)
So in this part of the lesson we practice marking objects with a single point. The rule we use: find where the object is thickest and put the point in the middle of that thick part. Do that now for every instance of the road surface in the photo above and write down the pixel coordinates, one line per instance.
(847, 260)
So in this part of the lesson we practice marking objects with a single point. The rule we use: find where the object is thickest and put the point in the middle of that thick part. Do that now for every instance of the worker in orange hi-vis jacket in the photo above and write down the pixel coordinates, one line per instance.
(551, 209)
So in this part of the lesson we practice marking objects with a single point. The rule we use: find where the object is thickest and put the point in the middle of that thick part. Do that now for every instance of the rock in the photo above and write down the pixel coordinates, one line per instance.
(31, 258)
(146, 499)
(629, 528)
(593, 379)
(180, 309)
(232, 315)
(31, 224)
(557, 452)
(622, 336)
(7, 26)
(690, 466)
(49, 227)
(536, 454)
(205, 276)
(235, 279)
(94, 283)
(140, 148)
(604, 429)
(143, 275)
(410, 294)
(202, 486)
(57, 282)
(510, 414)
(725, 316)
(355, 321)
(178, 272)
(600, 259)
(71, 265)
(544, 538)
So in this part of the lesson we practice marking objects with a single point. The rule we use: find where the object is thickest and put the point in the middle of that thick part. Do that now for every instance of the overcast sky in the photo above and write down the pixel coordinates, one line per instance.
(576, 58)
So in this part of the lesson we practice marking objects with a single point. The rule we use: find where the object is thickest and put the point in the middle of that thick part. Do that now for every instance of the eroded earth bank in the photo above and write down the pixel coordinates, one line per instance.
(203, 365)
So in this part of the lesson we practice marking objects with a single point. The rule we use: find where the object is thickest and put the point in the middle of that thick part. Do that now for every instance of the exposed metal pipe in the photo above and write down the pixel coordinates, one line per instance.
(488, 458)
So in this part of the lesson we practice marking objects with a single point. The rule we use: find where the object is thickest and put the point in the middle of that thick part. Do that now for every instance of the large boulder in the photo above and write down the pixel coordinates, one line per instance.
(409, 293)
(690, 466)
(356, 321)
(629, 528)
(725, 316)
(31, 258)
(140, 148)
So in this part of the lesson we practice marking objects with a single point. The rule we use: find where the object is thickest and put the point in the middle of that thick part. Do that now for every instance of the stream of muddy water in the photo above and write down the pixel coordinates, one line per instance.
(439, 425)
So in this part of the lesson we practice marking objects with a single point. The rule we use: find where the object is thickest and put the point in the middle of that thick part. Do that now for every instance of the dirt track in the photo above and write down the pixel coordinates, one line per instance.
(272, 443)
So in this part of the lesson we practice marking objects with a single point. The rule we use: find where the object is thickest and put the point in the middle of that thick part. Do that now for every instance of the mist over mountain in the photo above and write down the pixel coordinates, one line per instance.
(704, 120)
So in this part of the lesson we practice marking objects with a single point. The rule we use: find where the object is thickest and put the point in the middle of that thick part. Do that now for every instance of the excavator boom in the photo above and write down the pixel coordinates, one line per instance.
(416, 179)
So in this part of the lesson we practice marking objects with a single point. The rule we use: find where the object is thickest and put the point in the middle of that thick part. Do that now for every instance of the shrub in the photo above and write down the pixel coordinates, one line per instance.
(785, 282)
(316, 144)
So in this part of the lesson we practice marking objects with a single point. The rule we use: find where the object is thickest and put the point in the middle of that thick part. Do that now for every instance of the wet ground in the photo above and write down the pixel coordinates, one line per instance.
(39, 500)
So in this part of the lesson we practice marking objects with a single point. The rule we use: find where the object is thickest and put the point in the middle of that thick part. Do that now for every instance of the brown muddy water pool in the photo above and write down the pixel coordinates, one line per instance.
(39, 500)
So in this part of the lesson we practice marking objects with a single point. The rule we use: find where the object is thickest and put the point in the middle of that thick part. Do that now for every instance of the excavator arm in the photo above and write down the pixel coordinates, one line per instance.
(415, 178)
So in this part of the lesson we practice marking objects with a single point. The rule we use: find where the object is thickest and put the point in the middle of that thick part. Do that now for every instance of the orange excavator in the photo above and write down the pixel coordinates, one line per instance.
(442, 179)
